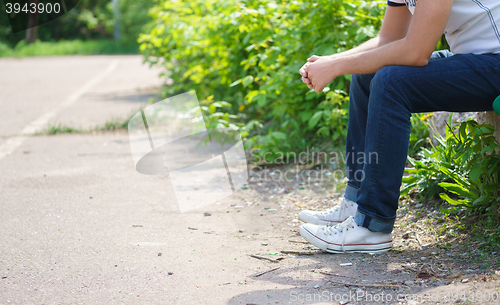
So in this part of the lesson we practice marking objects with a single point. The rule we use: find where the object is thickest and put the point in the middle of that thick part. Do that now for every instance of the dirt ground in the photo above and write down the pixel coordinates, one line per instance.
(423, 267)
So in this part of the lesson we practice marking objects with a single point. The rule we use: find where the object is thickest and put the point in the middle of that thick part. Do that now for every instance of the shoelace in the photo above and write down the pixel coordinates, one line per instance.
(341, 208)
(341, 228)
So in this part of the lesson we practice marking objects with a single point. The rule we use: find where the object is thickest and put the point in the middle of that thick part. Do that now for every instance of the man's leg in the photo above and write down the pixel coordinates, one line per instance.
(358, 112)
(463, 82)
(359, 95)
(457, 83)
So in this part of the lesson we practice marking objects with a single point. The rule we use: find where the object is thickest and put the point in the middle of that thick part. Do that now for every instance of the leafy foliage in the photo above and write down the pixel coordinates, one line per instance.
(464, 169)
(477, 151)
(90, 19)
(248, 53)
(419, 136)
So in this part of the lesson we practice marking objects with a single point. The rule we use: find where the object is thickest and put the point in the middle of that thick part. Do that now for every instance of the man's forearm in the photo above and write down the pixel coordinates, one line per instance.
(405, 40)
(370, 61)
(371, 44)
(414, 49)
(325, 69)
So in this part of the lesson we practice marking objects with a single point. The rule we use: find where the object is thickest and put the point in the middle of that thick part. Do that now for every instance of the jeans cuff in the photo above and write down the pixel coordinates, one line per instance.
(351, 193)
(374, 224)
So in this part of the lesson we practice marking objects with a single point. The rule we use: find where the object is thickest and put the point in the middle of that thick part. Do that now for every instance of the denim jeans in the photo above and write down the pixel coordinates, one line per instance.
(380, 108)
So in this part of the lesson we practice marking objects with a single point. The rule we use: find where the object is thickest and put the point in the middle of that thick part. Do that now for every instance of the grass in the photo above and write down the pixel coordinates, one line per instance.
(113, 124)
(68, 47)
(58, 128)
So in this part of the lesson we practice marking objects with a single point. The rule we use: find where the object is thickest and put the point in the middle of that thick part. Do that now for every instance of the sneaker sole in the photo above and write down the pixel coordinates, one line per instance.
(351, 248)
(322, 222)
(366, 248)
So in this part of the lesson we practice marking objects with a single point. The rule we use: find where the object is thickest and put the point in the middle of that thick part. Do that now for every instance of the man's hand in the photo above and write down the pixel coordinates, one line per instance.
(303, 72)
(404, 40)
(318, 72)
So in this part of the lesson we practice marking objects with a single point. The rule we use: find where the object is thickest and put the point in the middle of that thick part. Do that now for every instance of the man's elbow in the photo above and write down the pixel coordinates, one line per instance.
(419, 59)
(415, 55)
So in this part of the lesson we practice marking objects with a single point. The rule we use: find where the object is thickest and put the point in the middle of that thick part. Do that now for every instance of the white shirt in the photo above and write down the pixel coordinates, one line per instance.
(473, 26)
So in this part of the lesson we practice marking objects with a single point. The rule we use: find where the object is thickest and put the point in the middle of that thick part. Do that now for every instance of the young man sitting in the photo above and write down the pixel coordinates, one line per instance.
(394, 75)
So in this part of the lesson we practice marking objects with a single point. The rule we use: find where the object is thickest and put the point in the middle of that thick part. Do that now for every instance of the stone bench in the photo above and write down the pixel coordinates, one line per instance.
(439, 119)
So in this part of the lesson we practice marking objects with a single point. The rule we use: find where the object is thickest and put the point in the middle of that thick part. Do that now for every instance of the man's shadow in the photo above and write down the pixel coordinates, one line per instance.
(371, 279)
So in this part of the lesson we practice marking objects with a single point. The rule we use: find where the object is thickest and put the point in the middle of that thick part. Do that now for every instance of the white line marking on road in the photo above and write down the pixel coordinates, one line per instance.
(37, 125)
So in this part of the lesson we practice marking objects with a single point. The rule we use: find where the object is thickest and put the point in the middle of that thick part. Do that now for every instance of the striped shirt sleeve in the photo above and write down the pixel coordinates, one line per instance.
(396, 3)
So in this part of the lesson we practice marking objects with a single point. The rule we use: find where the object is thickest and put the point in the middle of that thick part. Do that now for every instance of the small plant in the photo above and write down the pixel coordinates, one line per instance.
(114, 124)
(465, 163)
(419, 136)
(476, 181)
(59, 128)
(424, 172)
(464, 170)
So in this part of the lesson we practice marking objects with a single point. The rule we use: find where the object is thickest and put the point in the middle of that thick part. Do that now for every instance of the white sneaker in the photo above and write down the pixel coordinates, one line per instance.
(346, 237)
(330, 217)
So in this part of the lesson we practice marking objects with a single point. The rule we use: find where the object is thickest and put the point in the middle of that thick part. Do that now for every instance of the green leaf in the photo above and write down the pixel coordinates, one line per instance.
(463, 134)
(324, 131)
(313, 121)
(247, 80)
(458, 179)
(251, 95)
(457, 189)
(487, 129)
(409, 179)
(235, 83)
(453, 201)
(483, 199)
(409, 187)
(305, 116)
(493, 167)
(262, 100)
(488, 148)
(279, 135)
(475, 172)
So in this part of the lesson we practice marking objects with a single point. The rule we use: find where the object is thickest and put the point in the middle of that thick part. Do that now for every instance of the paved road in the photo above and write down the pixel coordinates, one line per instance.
(105, 86)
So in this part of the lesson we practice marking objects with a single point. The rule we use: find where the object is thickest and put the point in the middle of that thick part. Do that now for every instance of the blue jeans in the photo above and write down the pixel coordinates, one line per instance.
(380, 108)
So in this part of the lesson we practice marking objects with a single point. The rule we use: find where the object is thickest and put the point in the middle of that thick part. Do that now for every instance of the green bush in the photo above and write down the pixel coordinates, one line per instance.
(89, 20)
(464, 169)
(247, 54)
(133, 18)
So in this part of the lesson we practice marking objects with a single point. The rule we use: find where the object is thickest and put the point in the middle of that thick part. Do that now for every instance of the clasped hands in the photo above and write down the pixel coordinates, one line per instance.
(318, 72)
